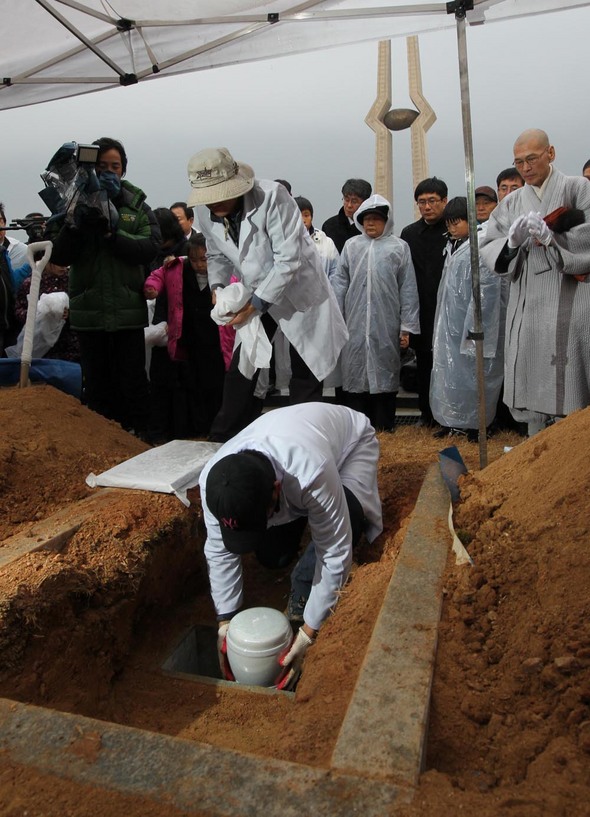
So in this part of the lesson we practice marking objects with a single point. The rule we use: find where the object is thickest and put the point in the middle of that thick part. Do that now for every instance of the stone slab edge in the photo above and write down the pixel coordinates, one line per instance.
(194, 777)
(383, 734)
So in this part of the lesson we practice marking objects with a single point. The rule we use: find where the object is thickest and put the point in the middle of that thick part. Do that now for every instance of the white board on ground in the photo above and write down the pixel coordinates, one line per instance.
(172, 468)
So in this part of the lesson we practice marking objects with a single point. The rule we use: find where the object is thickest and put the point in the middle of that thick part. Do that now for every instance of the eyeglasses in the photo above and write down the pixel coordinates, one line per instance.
(529, 160)
(352, 200)
(430, 202)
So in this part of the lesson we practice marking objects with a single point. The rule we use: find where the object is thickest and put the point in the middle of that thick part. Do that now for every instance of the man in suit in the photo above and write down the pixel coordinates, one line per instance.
(186, 218)
(254, 231)
(427, 239)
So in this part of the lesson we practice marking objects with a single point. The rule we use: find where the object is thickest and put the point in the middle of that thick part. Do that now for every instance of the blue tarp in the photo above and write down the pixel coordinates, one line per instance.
(61, 374)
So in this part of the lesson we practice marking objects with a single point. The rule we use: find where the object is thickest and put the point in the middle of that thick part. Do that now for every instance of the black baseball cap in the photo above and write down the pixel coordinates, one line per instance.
(239, 492)
(381, 210)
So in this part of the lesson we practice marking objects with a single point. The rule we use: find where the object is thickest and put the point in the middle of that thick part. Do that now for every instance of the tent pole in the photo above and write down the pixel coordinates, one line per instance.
(459, 9)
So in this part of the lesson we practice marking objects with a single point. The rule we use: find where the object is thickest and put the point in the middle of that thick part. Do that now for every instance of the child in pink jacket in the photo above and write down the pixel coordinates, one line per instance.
(193, 337)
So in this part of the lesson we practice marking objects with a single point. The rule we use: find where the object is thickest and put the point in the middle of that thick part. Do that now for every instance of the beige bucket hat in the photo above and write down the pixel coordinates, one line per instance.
(216, 176)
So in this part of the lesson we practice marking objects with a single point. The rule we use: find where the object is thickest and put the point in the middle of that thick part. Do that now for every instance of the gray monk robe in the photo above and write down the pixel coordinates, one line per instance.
(547, 356)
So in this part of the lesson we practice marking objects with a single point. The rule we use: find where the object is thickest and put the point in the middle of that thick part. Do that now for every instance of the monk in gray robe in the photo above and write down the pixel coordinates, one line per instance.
(539, 236)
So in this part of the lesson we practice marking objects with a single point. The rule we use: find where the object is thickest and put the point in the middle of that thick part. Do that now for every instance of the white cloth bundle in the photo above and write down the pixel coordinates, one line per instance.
(156, 334)
(255, 347)
(49, 321)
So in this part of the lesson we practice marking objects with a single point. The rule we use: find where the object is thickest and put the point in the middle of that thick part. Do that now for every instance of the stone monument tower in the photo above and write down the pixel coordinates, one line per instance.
(382, 120)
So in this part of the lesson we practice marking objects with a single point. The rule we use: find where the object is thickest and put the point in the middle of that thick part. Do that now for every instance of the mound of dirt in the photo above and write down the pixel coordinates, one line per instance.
(511, 697)
(48, 446)
(510, 721)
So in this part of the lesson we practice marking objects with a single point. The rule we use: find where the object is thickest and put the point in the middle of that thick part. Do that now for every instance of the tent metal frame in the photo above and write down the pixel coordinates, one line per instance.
(136, 33)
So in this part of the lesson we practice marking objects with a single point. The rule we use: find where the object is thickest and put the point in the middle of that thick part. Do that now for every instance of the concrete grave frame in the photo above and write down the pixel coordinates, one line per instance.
(379, 752)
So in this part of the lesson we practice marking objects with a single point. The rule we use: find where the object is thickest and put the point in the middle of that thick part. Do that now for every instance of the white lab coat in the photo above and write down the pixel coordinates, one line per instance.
(277, 261)
(316, 449)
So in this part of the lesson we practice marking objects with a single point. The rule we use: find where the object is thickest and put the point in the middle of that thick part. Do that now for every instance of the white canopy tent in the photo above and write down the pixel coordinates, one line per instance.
(63, 48)
(59, 48)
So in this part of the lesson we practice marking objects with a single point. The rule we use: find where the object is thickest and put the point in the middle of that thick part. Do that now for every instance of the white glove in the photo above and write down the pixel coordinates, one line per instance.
(518, 232)
(294, 659)
(539, 229)
(226, 672)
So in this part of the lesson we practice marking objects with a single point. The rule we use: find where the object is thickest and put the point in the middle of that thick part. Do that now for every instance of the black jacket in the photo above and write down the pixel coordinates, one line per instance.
(427, 243)
(339, 229)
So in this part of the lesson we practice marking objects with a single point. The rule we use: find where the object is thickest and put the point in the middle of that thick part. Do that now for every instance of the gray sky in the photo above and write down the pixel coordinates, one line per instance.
(302, 118)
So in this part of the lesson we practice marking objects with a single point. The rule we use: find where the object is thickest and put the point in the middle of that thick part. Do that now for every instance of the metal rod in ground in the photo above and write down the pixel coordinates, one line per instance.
(472, 220)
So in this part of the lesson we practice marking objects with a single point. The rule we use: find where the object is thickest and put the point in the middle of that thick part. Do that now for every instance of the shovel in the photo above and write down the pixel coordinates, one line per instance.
(37, 268)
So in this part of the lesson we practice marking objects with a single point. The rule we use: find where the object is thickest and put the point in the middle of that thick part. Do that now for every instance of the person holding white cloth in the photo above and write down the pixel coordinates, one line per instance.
(313, 464)
(255, 347)
(253, 230)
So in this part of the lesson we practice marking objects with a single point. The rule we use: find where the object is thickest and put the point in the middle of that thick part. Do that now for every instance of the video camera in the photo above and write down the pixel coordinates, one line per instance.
(87, 154)
(33, 224)
(72, 189)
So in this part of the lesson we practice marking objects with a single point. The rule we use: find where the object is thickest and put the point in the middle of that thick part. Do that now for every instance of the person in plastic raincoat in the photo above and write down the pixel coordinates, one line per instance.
(375, 286)
(453, 383)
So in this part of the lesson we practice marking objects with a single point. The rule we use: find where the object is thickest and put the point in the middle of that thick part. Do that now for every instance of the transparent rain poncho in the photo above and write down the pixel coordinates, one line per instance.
(453, 383)
(375, 286)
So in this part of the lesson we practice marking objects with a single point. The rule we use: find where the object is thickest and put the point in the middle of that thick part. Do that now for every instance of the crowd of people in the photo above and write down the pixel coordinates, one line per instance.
(182, 320)
(180, 332)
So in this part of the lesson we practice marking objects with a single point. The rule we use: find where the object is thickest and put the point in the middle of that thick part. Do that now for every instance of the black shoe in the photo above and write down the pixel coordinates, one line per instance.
(443, 431)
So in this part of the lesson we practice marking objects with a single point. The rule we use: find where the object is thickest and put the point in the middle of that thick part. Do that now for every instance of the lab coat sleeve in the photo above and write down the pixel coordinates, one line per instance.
(286, 234)
(224, 568)
(331, 532)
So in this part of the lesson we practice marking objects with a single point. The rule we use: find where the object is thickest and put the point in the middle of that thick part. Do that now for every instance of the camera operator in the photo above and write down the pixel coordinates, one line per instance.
(107, 253)
(34, 224)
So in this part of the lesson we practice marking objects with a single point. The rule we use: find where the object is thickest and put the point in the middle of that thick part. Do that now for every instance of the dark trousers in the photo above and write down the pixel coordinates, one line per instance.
(379, 408)
(182, 404)
(281, 542)
(239, 406)
(114, 379)
(424, 364)
(304, 571)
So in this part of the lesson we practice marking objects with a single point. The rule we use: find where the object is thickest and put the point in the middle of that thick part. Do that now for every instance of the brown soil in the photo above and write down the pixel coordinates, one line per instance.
(86, 629)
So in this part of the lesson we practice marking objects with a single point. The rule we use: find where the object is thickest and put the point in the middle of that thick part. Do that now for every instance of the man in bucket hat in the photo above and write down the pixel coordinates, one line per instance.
(313, 464)
(254, 231)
